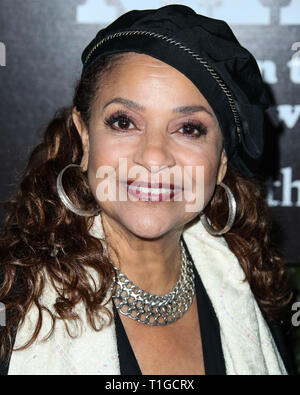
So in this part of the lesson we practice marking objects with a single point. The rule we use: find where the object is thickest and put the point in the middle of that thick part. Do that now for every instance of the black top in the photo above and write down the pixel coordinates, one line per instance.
(214, 363)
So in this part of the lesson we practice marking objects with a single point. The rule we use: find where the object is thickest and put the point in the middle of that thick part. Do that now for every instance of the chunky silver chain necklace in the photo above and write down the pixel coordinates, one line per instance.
(151, 309)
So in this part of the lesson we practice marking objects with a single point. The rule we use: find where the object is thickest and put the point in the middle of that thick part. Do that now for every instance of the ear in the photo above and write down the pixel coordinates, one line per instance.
(222, 167)
(84, 135)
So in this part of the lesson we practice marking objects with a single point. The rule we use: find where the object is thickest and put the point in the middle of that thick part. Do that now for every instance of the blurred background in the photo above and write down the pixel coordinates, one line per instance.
(40, 47)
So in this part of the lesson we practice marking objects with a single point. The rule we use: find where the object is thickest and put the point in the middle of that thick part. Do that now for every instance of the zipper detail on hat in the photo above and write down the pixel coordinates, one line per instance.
(208, 67)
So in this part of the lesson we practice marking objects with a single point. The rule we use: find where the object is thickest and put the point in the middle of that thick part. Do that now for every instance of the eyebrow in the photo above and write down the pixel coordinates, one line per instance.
(125, 102)
(139, 107)
(191, 109)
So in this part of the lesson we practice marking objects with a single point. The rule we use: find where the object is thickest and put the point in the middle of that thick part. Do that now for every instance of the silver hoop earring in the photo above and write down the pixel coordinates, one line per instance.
(231, 216)
(66, 200)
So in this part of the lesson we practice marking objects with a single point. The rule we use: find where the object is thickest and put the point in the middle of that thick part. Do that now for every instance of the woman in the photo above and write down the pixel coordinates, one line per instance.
(154, 256)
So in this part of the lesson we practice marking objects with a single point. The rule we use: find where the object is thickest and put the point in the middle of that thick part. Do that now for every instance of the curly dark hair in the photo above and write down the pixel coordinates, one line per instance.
(37, 220)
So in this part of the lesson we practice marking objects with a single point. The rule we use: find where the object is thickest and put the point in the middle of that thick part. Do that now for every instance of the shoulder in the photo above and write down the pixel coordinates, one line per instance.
(68, 349)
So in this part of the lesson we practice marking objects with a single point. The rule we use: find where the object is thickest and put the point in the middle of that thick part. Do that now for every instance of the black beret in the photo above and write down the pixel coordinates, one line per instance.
(207, 52)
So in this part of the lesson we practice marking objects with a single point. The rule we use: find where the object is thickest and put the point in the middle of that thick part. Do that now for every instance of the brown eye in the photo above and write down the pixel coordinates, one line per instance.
(121, 120)
(124, 123)
(193, 130)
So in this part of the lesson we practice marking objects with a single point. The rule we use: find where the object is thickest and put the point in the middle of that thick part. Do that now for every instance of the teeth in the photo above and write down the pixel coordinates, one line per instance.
(154, 191)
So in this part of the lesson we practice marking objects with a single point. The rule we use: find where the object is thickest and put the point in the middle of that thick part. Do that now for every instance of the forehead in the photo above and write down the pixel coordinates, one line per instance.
(141, 71)
(133, 63)
(126, 58)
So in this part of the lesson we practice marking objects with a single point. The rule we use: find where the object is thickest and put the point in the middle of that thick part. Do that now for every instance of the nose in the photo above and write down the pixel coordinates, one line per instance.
(154, 150)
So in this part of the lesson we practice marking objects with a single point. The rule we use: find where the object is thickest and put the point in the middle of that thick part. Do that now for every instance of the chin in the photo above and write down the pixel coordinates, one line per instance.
(147, 226)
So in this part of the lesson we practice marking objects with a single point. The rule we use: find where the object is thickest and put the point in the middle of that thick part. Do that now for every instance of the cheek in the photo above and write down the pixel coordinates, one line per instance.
(104, 151)
(206, 163)
(102, 160)
(105, 159)
(209, 183)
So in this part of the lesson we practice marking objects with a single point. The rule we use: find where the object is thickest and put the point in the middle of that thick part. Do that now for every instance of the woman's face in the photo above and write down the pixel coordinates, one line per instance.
(150, 123)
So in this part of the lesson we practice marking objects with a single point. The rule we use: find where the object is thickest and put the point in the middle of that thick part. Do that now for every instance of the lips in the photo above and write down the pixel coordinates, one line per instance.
(152, 192)
(149, 185)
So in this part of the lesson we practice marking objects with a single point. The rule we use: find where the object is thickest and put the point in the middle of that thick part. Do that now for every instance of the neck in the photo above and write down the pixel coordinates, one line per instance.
(152, 264)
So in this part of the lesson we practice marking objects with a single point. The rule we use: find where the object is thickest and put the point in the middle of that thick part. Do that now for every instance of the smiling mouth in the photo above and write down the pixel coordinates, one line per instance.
(155, 192)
